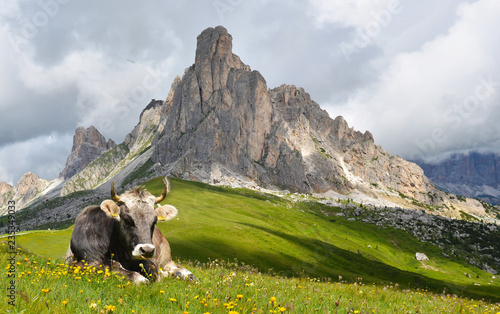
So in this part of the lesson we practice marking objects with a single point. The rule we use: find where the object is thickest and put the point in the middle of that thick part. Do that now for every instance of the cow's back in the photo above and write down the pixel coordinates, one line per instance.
(91, 235)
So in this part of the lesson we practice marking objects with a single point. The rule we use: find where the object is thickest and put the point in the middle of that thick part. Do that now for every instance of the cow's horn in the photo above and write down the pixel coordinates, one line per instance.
(114, 196)
(165, 191)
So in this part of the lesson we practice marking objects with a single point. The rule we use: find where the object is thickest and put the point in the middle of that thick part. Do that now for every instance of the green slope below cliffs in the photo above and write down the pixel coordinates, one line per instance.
(294, 238)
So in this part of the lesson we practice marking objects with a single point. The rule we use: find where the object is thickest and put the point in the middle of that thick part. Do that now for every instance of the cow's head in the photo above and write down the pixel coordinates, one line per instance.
(136, 217)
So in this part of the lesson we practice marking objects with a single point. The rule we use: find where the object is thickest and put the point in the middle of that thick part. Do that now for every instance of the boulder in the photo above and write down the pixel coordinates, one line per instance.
(421, 257)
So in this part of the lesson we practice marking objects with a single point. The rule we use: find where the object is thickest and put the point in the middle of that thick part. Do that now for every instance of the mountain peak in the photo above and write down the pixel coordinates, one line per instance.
(28, 177)
(28, 187)
(88, 144)
(223, 122)
(214, 42)
(214, 60)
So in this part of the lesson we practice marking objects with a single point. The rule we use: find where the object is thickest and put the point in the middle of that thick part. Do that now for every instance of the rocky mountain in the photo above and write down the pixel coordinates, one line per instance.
(470, 174)
(222, 125)
(27, 188)
(114, 162)
(88, 144)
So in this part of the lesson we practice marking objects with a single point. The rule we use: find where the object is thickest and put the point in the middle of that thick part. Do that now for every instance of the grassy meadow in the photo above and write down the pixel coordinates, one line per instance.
(258, 253)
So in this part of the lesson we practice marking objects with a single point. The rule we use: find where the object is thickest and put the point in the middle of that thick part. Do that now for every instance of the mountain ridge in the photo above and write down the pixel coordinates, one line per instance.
(471, 174)
(220, 124)
(28, 187)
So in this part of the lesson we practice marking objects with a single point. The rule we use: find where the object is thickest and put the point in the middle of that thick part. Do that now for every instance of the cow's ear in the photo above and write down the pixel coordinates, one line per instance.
(166, 212)
(111, 209)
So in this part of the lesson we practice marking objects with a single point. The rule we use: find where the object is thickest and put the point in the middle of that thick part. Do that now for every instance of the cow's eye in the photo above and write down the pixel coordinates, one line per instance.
(128, 221)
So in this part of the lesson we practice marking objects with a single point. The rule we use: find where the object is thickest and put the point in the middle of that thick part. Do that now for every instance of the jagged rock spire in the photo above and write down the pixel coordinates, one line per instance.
(88, 144)
(221, 117)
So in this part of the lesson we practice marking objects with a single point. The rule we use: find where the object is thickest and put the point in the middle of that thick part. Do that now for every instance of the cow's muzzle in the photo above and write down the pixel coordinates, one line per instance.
(143, 251)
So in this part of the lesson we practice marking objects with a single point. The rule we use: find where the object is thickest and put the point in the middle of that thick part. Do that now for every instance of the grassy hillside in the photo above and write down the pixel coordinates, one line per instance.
(293, 239)
(48, 286)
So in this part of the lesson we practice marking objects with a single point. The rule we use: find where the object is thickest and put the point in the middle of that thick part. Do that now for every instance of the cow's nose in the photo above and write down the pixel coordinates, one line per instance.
(147, 250)
(143, 251)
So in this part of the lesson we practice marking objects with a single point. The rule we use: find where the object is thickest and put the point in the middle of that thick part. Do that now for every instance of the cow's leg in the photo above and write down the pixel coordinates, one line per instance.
(69, 258)
(171, 269)
(163, 259)
(133, 276)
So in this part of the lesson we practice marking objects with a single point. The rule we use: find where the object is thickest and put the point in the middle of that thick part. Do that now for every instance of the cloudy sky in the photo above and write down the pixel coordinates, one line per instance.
(422, 76)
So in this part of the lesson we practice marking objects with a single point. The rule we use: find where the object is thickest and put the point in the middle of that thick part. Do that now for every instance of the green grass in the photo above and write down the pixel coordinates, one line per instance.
(49, 286)
(467, 217)
(138, 173)
(291, 239)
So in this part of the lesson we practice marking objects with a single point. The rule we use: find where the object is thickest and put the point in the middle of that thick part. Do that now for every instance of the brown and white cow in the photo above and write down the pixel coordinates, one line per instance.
(122, 234)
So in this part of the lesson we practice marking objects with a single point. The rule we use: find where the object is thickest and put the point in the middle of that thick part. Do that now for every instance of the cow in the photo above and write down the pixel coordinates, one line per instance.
(122, 234)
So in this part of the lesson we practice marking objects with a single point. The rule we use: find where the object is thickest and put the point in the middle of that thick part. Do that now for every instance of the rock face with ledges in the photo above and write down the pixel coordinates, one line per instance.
(221, 123)
(219, 113)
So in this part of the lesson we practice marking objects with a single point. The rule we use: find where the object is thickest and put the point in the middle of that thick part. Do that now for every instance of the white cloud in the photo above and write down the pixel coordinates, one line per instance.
(43, 155)
(106, 89)
(425, 102)
(354, 13)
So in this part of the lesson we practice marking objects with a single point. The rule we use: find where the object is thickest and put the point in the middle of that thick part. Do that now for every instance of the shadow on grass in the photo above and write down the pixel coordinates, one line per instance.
(329, 262)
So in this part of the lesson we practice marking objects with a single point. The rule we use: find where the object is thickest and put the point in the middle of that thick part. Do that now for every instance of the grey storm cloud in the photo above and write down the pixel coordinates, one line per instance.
(405, 70)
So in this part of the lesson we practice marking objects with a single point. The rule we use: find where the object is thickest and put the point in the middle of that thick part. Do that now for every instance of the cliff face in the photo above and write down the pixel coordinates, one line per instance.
(88, 144)
(472, 174)
(219, 113)
(221, 123)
